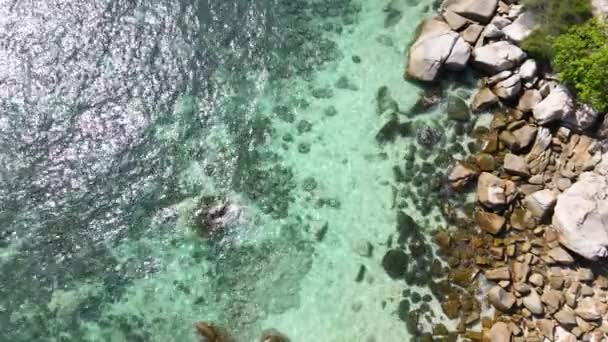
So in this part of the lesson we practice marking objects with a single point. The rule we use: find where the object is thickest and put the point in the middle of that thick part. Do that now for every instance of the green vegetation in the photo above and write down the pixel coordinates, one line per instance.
(580, 56)
(574, 44)
(555, 17)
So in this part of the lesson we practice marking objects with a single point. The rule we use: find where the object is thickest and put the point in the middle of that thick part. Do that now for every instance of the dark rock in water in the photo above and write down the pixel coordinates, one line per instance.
(333, 203)
(216, 214)
(301, 103)
(392, 129)
(304, 147)
(426, 337)
(395, 263)
(411, 323)
(473, 147)
(356, 59)
(272, 335)
(458, 109)
(322, 93)
(411, 152)
(398, 174)
(440, 330)
(418, 247)
(406, 227)
(360, 274)
(427, 168)
(304, 126)
(389, 241)
(455, 149)
(319, 230)
(427, 136)
(384, 101)
(416, 297)
(459, 129)
(392, 17)
(424, 153)
(209, 332)
(309, 184)
(404, 309)
(330, 111)
(284, 113)
(344, 83)
(427, 100)
(287, 137)
(443, 160)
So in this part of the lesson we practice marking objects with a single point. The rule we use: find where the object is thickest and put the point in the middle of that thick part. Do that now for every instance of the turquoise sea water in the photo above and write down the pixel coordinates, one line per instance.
(117, 116)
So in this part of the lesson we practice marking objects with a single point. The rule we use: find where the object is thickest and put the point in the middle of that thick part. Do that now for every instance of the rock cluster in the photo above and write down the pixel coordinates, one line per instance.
(541, 207)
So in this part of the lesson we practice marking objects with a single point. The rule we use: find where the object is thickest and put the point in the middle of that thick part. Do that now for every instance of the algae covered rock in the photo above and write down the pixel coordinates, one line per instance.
(395, 263)
(458, 109)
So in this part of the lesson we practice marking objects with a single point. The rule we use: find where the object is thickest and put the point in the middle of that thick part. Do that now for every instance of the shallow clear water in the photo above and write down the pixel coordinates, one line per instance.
(117, 116)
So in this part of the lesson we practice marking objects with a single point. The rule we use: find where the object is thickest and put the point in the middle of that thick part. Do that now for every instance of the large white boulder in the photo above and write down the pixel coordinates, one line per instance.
(581, 216)
(459, 57)
(528, 70)
(521, 28)
(557, 105)
(431, 49)
(480, 11)
(498, 56)
(560, 105)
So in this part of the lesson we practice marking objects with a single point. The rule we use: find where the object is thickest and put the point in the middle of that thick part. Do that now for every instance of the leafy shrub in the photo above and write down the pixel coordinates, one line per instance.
(554, 17)
(581, 59)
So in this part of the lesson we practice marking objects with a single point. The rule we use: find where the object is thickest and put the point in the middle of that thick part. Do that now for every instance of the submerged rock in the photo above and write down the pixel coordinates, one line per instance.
(392, 129)
(273, 335)
(395, 263)
(385, 102)
(427, 136)
(216, 214)
(427, 100)
(458, 109)
(208, 332)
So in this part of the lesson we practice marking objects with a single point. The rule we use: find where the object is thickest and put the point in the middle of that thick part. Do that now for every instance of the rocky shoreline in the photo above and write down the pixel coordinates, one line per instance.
(529, 248)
